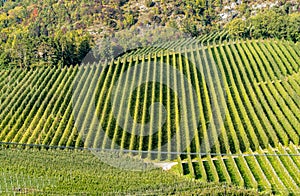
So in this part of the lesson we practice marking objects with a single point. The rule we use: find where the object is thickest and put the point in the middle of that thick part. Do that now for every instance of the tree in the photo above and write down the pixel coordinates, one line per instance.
(238, 27)
(83, 50)
(293, 29)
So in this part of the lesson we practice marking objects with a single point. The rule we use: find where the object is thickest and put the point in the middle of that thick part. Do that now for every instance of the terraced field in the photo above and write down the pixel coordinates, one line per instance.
(221, 109)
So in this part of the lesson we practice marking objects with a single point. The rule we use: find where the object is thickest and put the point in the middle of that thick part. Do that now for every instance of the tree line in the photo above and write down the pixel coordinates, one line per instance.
(269, 24)
(61, 33)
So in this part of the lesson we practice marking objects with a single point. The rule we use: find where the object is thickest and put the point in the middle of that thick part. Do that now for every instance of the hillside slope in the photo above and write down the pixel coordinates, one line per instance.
(220, 100)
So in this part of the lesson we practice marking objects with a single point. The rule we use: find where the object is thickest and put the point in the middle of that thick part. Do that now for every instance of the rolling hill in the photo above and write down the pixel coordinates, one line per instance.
(225, 110)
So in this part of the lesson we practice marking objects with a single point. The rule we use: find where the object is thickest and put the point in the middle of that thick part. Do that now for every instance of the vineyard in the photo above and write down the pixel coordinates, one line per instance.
(224, 110)
(54, 172)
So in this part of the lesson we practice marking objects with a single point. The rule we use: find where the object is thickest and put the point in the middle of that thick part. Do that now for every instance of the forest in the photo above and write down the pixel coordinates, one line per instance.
(61, 33)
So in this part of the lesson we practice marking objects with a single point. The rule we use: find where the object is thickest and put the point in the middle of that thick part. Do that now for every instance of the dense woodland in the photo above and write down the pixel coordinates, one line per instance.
(60, 33)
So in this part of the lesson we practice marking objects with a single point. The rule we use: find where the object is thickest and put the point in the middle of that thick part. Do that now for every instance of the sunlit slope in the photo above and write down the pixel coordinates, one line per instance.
(229, 98)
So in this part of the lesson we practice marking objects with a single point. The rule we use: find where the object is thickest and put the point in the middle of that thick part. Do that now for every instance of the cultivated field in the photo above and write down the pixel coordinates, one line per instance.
(222, 109)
